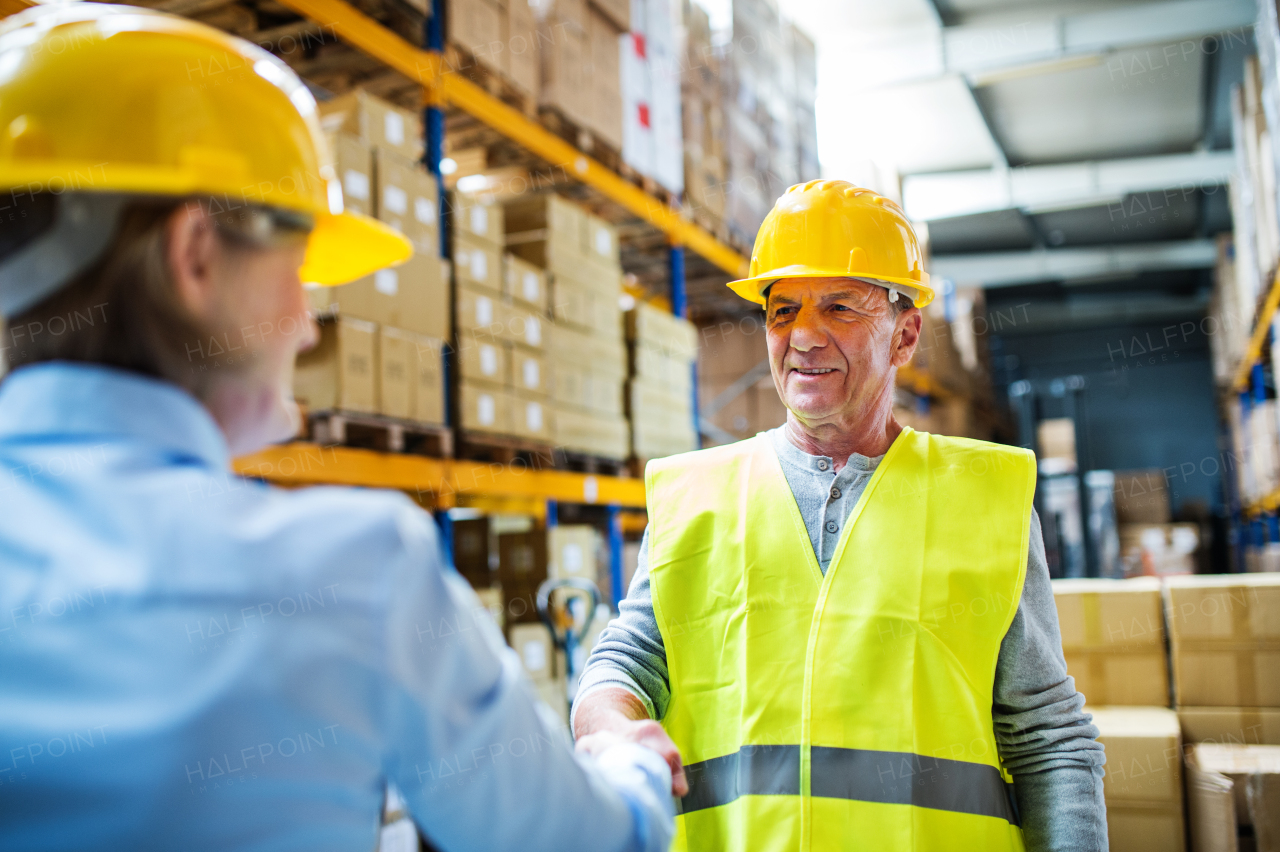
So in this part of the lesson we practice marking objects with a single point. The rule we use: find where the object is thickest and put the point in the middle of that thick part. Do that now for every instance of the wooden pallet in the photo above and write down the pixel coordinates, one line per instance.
(599, 465)
(507, 450)
(458, 60)
(375, 432)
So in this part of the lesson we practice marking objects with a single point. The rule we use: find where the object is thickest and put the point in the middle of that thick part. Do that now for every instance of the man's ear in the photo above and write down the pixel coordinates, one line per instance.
(906, 336)
(192, 249)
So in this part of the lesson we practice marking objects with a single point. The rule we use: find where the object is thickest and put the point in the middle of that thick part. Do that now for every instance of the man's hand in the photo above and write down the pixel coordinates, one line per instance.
(610, 715)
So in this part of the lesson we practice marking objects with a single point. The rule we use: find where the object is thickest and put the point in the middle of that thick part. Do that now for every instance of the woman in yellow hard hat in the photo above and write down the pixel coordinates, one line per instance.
(191, 660)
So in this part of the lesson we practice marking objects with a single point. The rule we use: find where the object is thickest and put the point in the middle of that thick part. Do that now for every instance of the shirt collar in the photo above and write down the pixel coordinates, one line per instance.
(67, 400)
(789, 453)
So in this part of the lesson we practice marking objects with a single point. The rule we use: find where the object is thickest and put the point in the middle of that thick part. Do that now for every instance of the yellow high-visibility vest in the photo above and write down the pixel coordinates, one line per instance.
(850, 711)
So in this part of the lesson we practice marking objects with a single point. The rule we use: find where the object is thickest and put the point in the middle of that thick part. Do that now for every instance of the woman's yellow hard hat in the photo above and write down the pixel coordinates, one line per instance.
(833, 229)
(96, 98)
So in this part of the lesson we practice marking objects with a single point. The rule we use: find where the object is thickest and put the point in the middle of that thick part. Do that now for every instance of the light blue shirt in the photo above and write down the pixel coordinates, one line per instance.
(191, 660)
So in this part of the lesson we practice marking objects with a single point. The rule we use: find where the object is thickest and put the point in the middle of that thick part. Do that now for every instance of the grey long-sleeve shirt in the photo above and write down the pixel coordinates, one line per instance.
(1046, 741)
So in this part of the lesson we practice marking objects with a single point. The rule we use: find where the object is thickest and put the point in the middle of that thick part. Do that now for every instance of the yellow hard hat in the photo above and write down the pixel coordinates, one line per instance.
(833, 229)
(117, 99)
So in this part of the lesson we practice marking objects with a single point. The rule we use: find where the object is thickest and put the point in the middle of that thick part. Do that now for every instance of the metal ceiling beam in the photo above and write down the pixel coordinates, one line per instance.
(987, 53)
(1033, 189)
(1007, 269)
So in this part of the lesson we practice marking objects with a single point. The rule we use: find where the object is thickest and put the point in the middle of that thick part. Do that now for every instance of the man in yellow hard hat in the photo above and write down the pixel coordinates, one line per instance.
(846, 626)
(189, 660)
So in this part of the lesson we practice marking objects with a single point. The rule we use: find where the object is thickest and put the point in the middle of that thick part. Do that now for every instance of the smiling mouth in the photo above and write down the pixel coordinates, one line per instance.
(813, 371)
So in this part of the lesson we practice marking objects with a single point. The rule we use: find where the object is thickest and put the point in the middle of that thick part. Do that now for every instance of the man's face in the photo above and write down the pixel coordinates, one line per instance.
(833, 344)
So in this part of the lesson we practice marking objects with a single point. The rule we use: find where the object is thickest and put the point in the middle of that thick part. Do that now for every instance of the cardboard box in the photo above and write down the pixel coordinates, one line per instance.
(661, 420)
(604, 76)
(396, 374)
(585, 431)
(1143, 781)
(522, 566)
(532, 644)
(521, 39)
(338, 372)
(1056, 439)
(571, 551)
(471, 552)
(484, 362)
(353, 161)
(1113, 639)
(484, 408)
(1225, 637)
(563, 52)
(428, 385)
(524, 327)
(412, 296)
(530, 417)
(524, 283)
(482, 316)
(477, 263)
(617, 11)
(576, 346)
(481, 221)
(374, 121)
(654, 328)
(477, 26)
(656, 367)
(1232, 725)
(407, 200)
(546, 231)
(600, 241)
(529, 372)
(1142, 497)
(1233, 787)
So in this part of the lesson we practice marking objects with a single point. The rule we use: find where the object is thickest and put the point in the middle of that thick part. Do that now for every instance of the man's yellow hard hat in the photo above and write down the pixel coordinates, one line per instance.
(833, 229)
(96, 98)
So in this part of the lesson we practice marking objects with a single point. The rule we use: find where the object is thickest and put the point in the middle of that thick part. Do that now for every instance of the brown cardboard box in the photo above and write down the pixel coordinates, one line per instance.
(617, 11)
(522, 566)
(563, 52)
(604, 76)
(1143, 781)
(1113, 640)
(477, 26)
(1142, 497)
(484, 362)
(524, 327)
(1234, 786)
(1238, 725)
(428, 388)
(546, 231)
(396, 357)
(571, 551)
(522, 47)
(376, 122)
(471, 552)
(1225, 637)
(1057, 442)
(480, 221)
(600, 241)
(604, 353)
(585, 431)
(412, 296)
(524, 283)
(661, 421)
(481, 315)
(532, 643)
(655, 328)
(655, 366)
(477, 262)
(484, 407)
(338, 373)
(586, 386)
(407, 200)
(529, 372)
(530, 417)
(353, 160)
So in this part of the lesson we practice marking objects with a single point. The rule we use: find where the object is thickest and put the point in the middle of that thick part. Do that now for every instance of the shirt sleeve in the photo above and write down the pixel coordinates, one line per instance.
(1046, 740)
(630, 653)
(481, 763)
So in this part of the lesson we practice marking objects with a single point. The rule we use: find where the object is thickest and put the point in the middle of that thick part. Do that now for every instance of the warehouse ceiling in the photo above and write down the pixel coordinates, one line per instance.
(1031, 132)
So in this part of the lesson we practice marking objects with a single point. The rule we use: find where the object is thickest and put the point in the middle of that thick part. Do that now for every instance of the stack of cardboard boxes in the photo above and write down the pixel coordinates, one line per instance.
(1234, 797)
(586, 356)
(382, 336)
(651, 73)
(543, 663)
(663, 351)
(581, 73)
(500, 35)
(501, 305)
(1144, 780)
(703, 116)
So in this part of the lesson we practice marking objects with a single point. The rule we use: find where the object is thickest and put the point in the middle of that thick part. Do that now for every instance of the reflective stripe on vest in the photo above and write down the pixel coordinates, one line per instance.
(891, 778)
(851, 710)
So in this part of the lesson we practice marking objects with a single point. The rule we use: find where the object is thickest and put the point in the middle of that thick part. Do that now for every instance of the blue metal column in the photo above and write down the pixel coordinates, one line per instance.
(680, 307)
(615, 557)
(433, 153)
(553, 514)
(445, 523)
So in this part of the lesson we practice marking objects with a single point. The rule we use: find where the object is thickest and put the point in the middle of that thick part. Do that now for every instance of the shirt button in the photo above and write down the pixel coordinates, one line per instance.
(835, 493)
(832, 526)
(822, 464)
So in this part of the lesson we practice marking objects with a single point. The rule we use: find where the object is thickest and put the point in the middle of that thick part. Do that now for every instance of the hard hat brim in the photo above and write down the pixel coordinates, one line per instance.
(752, 289)
(348, 246)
